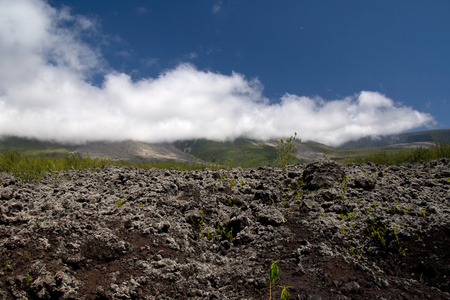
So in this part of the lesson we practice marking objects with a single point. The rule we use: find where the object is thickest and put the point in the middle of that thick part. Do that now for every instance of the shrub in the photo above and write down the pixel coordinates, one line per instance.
(286, 150)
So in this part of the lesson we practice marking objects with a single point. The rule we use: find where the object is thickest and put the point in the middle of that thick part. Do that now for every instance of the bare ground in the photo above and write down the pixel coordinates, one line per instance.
(354, 232)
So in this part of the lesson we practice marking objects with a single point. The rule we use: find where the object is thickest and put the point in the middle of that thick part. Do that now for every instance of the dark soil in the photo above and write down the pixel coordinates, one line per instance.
(353, 232)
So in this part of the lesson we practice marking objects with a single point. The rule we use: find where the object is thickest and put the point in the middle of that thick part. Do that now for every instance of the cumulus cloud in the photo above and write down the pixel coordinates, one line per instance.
(45, 93)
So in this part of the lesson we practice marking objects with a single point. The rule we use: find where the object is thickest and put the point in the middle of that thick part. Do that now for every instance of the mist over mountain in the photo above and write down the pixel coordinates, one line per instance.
(440, 135)
(48, 92)
(240, 151)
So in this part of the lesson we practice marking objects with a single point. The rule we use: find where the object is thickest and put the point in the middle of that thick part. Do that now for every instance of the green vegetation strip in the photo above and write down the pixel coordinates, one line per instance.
(28, 167)
(402, 156)
(34, 167)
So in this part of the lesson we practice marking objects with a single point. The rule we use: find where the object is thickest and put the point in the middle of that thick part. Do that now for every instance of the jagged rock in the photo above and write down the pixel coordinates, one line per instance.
(270, 217)
(322, 174)
(365, 182)
(7, 193)
(353, 232)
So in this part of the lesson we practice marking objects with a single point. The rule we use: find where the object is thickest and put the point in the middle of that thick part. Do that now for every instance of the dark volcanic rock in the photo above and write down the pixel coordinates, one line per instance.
(322, 174)
(354, 232)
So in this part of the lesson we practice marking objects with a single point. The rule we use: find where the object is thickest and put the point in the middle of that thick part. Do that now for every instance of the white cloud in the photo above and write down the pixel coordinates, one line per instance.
(217, 7)
(44, 93)
(142, 10)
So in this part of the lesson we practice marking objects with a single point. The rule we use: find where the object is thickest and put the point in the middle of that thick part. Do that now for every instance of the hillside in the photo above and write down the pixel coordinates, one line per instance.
(134, 151)
(430, 136)
(239, 152)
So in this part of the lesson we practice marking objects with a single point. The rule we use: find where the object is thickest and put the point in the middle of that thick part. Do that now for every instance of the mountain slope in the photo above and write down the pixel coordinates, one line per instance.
(432, 136)
(240, 152)
(135, 151)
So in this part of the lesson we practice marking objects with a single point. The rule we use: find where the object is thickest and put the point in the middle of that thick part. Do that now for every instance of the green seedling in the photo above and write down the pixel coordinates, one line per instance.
(198, 221)
(378, 234)
(231, 202)
(28, 282)
(395, 233)
(208, 235)
(26, 256)
(120, 203)
(223, 232)
(5, 269)
(423, 212)
(273, 274)
(232, 183)
(284, 292)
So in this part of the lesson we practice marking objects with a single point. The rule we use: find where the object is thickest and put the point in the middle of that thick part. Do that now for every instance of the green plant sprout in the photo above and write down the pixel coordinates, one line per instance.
(198, 221)
(28, 282)
(208, 235)
(232, 183)
(378, 234)
(223, 232)
(423, 212)
(273, 274)
(231, 202)
(284, 292)
(5, 269)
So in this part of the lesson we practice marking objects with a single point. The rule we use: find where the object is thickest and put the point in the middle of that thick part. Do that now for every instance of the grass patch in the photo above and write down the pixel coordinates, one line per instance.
(34, 167)
(401, 156)
(30, 168)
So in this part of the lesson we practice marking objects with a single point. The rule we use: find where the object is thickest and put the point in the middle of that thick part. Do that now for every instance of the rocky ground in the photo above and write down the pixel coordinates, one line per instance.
(353, 232)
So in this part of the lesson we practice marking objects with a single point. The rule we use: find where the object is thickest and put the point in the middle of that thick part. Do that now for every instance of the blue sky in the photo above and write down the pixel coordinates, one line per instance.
(166, 70)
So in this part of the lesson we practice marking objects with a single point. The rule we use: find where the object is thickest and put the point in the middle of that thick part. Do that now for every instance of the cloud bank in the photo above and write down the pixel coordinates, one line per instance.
(46, 93)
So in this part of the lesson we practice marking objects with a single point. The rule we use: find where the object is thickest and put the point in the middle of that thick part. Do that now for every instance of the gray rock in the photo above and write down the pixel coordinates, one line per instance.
(322, 174)
(214, 233)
